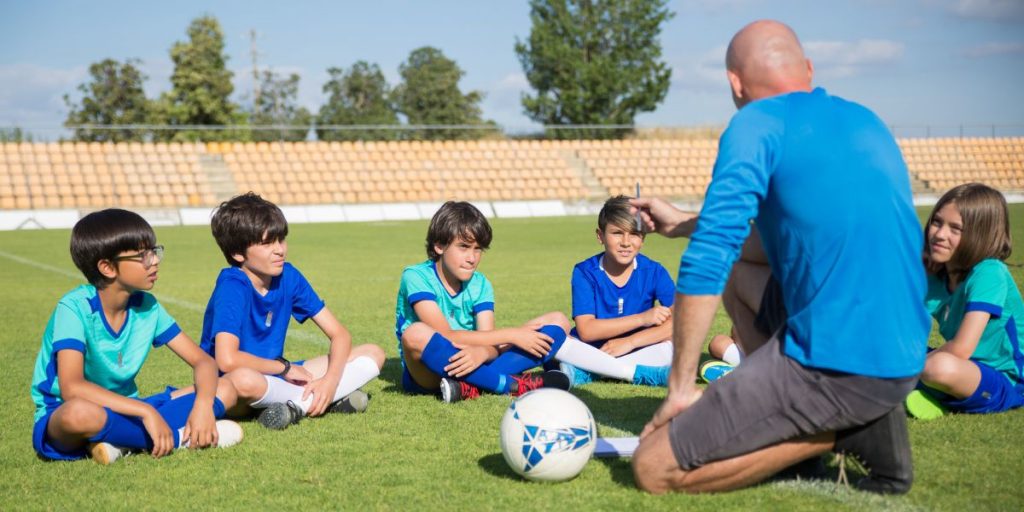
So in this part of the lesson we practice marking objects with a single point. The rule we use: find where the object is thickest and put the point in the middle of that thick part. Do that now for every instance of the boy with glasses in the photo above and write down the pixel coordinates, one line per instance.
(247, 319)
(94, 345)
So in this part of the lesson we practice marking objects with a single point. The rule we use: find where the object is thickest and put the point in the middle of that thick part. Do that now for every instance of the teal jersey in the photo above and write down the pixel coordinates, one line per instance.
(989, 287)
(421, 282)
(112, 359)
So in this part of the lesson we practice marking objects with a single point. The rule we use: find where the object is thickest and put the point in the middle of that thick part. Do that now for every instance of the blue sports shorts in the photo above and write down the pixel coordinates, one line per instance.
(995, 393)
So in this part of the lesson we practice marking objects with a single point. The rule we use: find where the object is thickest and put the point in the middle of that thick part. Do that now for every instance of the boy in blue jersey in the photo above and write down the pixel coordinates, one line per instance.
(94, 345)
(445, 320)
(247, 318)
(621, 301)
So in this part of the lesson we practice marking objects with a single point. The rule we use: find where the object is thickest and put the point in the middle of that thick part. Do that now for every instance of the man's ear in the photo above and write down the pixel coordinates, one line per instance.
(107, 268)
(737, 88)
(810, 72)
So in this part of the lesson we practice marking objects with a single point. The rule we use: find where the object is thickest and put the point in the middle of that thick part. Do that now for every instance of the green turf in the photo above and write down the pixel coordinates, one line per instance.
(414, 452)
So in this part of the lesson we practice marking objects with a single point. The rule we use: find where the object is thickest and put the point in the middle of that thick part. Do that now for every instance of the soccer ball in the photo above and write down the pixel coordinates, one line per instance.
(548, 435)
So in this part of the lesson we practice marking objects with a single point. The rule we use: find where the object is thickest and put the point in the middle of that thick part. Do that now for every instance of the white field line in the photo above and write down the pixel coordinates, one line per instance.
(164, 298)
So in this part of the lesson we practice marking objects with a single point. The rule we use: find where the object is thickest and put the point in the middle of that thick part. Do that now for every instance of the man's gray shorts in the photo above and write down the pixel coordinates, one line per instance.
(771, 398)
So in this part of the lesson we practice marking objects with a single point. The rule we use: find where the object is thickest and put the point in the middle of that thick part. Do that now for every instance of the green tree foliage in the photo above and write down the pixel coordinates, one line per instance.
(277, 104)
(14, 134)
(200, 86)
(594, 62)
(429, 95)
(112, 96)
(359, 96)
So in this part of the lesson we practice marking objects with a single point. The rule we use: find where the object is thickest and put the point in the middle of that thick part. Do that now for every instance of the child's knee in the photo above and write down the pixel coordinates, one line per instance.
(416, 337)
(555, 318)
(246, 382)
(226, 392)
(939, 368)
(78, 416)
(718, 345)
(374, 352)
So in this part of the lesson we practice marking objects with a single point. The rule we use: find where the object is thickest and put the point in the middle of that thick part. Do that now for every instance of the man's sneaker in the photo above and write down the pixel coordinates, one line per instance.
(883, 448)
(106, 453)
(651, 375)
(229, 434)
(453, 390)
(356, 401)
(279, 416)
(577, 377)
(522, 384)
(714, 369)
(923, 406)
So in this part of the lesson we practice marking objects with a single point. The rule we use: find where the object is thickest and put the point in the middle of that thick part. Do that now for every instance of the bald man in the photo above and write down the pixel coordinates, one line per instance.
(826, 186)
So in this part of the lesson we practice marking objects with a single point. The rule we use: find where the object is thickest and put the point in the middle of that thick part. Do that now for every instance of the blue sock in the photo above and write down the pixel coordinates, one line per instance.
(651, 375)
(129, 432)
(175, 412)
(439, 350)
(515, 360)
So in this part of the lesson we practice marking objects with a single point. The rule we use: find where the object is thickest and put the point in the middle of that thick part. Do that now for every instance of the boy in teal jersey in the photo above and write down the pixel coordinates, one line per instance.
(445, 319)
(973, 297)
(94, 345)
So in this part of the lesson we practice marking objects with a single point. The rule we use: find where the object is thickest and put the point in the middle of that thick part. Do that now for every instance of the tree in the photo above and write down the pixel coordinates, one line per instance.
(359, 96)
(113, 96)
(429, 95)
(277, 104)
(14, 134)
(200, 86)
(594, 62)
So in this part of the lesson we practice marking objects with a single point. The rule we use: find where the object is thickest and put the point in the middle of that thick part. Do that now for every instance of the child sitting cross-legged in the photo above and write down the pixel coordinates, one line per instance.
(98, 337)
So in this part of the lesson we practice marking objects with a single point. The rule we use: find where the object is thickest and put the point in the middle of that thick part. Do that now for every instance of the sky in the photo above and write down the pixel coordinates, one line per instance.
(925, 66)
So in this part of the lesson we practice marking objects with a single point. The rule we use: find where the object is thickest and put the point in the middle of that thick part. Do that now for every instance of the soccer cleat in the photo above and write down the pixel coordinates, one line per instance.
(714, 369)
(651, 375)
(279, 416)
(106, 453)
(923, 406)
(229, 434)
(522, 384)
(453, 390)
(577, 377)
(883, 448)
(356, 401)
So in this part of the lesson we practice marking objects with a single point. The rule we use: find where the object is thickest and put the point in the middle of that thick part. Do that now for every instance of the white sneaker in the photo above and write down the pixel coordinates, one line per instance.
(229, 434)
(106, 453)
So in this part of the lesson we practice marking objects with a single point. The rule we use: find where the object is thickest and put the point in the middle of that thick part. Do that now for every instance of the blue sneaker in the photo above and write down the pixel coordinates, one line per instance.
(713, 370)
(651, 375)
(577, 377)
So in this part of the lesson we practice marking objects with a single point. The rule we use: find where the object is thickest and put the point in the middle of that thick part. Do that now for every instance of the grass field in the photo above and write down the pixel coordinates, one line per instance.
(415, 452)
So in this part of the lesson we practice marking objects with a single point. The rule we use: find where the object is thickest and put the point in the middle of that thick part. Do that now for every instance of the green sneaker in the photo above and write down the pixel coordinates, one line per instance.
(923, 406)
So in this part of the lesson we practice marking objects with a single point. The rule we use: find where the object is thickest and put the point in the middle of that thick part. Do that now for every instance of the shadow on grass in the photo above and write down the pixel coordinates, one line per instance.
(628, 413)
(621, 471)
(495, 464)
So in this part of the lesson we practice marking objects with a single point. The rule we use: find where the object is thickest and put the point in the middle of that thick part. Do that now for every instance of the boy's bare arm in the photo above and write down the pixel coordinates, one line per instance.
(590, 328)
(622, 346)
(229, 357)
(534, 342)
(71, 375)
(323, 388)
(201, 428)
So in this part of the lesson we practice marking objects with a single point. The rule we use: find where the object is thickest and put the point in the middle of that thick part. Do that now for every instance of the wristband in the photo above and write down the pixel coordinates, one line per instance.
(287, 366)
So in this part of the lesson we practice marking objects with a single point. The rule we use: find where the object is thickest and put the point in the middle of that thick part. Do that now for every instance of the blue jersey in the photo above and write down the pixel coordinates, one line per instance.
(827, 187)
(112, 359)
(594, 293)
(259, 321)
(420, 282)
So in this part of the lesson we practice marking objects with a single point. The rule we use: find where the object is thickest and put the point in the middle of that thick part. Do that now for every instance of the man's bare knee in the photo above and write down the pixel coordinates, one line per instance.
(655, 468)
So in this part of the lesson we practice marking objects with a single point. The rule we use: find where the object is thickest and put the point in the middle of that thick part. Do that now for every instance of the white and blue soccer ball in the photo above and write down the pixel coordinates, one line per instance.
(548, 435)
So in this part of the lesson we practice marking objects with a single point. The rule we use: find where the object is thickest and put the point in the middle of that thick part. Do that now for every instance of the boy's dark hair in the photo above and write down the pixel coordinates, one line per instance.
(105, 234)
(616, 212)
(457, 220)
(986, 226)
(244, 221)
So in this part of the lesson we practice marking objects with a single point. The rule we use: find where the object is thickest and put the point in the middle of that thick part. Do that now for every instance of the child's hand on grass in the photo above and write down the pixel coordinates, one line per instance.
(159, 431)
(323, 390)
(201, 428)
(468, 359)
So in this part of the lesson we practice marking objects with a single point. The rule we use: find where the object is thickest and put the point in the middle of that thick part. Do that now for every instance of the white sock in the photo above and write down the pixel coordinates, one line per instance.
(733, 355)
(658, 354)
(586, 357)
(357, 372)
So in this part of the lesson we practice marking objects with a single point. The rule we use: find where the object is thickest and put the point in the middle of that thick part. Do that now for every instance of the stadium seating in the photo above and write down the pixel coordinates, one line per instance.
(167, 175)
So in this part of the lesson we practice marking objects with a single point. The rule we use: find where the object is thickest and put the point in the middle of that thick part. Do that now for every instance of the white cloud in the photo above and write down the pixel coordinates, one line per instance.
(718, 6)
(838, 59)
(996, 10)
(704, 72)
(32, 96)
(992, 49)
